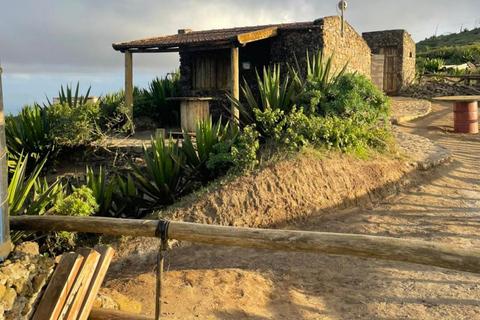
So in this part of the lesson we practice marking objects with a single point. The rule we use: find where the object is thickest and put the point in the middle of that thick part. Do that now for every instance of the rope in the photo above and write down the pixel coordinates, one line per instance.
(162, 233)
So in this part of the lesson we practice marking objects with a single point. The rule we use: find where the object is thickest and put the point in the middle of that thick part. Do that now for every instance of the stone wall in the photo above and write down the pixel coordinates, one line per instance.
(351, 47)
(378, 62)
(295, 42)
(405, 48)
(22, 278)
(409, 59)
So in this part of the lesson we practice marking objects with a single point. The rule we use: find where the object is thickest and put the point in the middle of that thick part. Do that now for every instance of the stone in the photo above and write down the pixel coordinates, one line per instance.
(8, 299)
(27, 248)
(122, 302)
(2, 291)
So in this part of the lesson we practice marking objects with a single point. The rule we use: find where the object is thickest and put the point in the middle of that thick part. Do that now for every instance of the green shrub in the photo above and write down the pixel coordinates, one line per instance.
(113, 115)
(275, 100)
(354, 94)
(166, 112)
(30, 133)
(28, 194)
(80, 203)
(66, 96)
(73, 126)
(197, 154)
(129, 201)
(102, 190)
(430, 64)
(453, 54)
(238, 152)
(165, 178)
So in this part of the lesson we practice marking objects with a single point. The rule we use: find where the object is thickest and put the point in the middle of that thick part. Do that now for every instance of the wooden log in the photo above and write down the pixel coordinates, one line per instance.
(100, 272)
(413, 251)
(110, 314)
(59, 287)
(235, 87)
(82, 283)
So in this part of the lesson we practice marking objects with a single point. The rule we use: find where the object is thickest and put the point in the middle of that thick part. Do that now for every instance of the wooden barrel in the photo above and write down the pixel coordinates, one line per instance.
(465, 117)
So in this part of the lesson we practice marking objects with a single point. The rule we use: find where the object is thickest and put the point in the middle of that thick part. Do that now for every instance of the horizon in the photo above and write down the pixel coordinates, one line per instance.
(67, 49)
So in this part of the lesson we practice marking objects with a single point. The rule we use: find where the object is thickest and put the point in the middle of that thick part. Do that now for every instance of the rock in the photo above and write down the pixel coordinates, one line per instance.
(144, 123)
(122, 302)
(2, 291)
(8, 299)
(27, 248)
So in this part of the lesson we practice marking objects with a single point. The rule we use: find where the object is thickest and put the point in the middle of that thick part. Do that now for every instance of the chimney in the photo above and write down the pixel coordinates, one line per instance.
(185, 31)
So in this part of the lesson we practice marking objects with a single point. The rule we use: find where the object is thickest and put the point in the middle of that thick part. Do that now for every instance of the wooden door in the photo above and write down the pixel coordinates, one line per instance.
(390, 77)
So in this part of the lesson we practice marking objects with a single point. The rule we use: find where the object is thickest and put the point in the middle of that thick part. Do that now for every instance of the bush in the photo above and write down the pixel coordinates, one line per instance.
(73, 126)
(81, 203)
(351, 95)
(165, 178)
(197, 154)
(30, 133)
(430, 65)
(28, 195)
(113, 115)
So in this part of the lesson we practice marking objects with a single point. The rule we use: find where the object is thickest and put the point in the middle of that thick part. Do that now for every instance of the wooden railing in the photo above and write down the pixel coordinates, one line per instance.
(413, 251)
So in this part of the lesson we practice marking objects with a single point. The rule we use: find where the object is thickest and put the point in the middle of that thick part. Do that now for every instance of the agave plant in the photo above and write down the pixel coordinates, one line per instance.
(159, 90)
(320, 70)
(29, 133)
(103, 190)
(129, 201)
(208, 135)
(274, 95)
(66, 96)
(29, 195)
(165, 178)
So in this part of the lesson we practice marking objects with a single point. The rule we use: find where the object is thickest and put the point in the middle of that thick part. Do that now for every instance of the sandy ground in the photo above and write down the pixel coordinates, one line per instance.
(209, 282)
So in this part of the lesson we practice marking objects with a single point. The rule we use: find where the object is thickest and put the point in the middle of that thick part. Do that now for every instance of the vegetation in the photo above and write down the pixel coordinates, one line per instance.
(451, 40)
(30, 133)
(152, 102)
(326, 108)
(453, 54)
(80, 203)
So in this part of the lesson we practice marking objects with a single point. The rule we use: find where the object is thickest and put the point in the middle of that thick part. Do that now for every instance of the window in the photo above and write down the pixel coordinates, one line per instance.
(210, 73)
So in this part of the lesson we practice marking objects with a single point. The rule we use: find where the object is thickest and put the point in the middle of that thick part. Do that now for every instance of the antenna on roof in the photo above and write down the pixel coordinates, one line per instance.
(342, 5)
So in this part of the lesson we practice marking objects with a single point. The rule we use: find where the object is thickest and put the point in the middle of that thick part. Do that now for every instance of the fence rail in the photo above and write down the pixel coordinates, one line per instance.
(413, 251)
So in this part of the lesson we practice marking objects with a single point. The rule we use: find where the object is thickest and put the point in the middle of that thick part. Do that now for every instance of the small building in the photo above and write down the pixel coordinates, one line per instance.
(215, 61)
(393, 59)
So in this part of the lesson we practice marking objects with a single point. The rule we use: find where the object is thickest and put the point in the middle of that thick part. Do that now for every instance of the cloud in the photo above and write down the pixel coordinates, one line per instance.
(58, 38)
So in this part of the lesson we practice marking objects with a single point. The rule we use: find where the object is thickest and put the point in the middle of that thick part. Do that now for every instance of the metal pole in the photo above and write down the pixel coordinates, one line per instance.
(343, 16)
(5, 244)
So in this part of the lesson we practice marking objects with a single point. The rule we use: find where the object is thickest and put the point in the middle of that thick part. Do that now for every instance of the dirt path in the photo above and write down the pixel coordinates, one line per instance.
(206, 282)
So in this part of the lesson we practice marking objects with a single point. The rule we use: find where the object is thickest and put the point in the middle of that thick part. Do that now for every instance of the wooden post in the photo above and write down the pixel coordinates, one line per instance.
(235, 80)
(129, 83)
(5, 242)
(359, 245)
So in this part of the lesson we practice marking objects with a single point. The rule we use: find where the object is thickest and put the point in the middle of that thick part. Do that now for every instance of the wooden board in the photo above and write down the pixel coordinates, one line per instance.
(110, 314)
(97, 279)
(82, 283)
(59, 287)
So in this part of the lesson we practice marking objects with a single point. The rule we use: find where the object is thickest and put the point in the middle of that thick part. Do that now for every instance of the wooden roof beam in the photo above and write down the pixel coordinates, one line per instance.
(257, 35)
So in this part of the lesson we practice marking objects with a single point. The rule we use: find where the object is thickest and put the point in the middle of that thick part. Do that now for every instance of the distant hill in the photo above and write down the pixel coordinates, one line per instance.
(455, 39)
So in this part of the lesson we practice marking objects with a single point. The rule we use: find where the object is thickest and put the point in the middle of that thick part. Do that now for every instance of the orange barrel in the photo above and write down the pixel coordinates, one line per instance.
(465, 117)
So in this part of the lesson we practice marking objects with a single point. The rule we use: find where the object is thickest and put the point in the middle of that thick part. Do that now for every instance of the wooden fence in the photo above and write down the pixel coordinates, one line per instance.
(413, 251)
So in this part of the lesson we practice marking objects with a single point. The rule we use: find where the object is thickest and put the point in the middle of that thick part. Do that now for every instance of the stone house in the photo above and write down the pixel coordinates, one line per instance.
(214, 62)
(393, 59)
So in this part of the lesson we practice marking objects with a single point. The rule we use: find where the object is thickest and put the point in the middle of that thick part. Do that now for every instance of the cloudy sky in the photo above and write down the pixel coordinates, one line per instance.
(47, 43)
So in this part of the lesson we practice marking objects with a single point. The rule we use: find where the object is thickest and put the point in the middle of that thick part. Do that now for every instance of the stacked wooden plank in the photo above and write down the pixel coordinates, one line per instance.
(74, 285)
